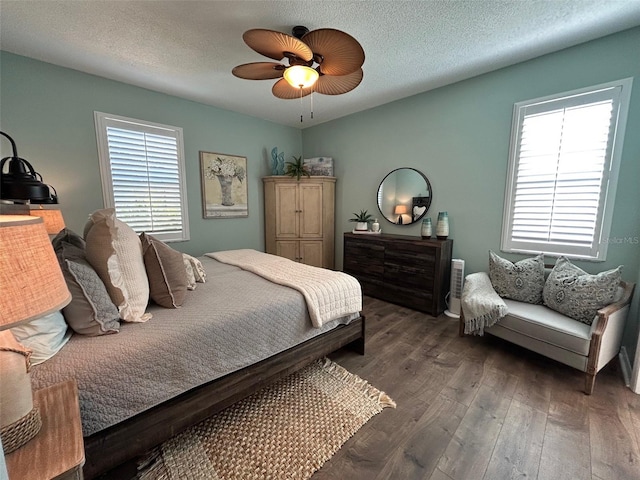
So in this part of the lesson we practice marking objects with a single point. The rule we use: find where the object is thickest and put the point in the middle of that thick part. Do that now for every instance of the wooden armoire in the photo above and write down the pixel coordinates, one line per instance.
(299, 219)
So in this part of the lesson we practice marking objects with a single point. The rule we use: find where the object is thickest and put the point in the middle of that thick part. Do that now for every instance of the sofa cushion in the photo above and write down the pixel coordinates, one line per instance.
(577, 294)
(546, 325)
(522, 281)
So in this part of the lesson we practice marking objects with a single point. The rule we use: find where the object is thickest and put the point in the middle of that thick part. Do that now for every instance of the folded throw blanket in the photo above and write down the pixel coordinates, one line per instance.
(481, 305)
(329, 294)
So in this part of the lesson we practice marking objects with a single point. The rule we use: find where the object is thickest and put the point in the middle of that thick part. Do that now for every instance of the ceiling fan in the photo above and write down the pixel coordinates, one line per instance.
(326, 61)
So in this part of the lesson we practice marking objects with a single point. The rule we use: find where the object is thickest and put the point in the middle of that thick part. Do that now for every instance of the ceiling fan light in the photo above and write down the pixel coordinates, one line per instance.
(300, 76)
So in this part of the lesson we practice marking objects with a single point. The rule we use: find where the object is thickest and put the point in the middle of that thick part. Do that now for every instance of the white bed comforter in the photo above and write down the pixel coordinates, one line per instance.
(329, 294)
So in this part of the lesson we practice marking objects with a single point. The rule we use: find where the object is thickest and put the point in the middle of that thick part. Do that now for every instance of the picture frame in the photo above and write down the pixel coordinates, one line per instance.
(319, 166)
(224, 185)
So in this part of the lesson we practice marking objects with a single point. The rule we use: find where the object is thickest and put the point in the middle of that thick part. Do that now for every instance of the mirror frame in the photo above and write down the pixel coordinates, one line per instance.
(417, 201)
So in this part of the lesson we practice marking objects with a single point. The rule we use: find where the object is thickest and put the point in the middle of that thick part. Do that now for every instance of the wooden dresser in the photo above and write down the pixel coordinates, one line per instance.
(401, 269)
(299, 219)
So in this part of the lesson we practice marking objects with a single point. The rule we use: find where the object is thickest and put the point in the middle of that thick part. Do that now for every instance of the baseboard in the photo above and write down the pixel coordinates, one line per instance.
(625, 364)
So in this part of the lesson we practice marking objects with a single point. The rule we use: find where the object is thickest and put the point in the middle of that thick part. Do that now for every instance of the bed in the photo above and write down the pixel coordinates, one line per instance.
(233, 335)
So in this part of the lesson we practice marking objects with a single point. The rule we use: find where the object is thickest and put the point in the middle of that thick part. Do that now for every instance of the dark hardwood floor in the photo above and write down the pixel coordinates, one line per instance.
(472, 408)
(480, 408)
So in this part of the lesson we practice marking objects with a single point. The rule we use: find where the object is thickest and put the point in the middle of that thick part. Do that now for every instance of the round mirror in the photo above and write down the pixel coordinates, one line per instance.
(404, 196)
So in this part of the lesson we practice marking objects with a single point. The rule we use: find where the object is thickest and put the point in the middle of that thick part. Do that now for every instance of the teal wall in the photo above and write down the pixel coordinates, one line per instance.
(458, 136)
(48, 110)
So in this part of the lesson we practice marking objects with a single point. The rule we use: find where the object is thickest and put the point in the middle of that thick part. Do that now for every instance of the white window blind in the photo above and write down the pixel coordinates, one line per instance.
(142, 167)
(563, 172)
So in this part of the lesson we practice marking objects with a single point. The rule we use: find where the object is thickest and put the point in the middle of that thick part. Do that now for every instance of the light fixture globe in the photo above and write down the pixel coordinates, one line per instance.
(300, 76)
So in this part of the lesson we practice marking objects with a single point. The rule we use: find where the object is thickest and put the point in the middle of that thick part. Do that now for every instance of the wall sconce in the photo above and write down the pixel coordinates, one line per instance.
(21, 183)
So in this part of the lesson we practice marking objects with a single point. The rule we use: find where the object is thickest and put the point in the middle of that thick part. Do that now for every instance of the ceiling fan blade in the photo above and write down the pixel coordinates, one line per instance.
(282, 89)
(274, 44)
(258, 70)
(342, 54)
(337, 85)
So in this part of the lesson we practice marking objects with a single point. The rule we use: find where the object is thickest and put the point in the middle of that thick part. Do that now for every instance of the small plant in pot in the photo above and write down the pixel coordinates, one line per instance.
(296, 168)
(362, 220)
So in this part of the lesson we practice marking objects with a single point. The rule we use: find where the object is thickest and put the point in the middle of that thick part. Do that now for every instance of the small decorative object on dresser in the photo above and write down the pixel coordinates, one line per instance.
(375, 226)
(362, 220)
(426, 229)
(442, 227)
(401, 269)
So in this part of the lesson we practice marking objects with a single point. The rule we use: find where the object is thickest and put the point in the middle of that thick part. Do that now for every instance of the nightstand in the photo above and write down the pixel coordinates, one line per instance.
(57, 451)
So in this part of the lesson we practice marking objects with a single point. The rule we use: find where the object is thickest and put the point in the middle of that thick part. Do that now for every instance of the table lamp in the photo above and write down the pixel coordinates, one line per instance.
(31, 286)
(400, 210)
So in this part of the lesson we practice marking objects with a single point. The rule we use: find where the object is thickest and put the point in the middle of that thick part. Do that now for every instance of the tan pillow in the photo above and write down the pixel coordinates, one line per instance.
(166, 272)
(115, 252)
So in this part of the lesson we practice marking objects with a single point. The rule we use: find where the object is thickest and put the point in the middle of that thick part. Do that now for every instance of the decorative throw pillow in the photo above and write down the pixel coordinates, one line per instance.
(191, 276)
(522, 281)
(68, 236)
(91, 311)
(166, 272)
(198, 269)
(45, 336)
(115, 252)
(577, 294)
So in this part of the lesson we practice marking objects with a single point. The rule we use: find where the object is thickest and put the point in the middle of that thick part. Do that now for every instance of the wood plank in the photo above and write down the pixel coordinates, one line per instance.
(519, 445)
(614, 447)
(418, 455)
(469, 451)
(564, 452)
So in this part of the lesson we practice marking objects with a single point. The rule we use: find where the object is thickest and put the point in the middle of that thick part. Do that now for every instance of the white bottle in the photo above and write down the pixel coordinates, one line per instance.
(375, 226)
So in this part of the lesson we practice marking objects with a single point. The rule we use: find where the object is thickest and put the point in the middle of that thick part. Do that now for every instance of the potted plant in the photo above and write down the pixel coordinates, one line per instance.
(296, 168)
(362, 220)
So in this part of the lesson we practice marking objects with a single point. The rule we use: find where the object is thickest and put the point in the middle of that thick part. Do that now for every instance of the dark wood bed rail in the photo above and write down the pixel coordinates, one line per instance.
(133, 437)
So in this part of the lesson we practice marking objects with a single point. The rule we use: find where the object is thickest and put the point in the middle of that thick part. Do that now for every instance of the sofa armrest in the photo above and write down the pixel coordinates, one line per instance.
(606, 337)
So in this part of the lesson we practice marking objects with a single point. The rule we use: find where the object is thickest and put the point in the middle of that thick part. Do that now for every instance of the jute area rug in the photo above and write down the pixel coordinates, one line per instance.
(285, 431)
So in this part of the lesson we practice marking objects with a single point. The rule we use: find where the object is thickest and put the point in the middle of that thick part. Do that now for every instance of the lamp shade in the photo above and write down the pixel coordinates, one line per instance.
(53, 221)
(300, 76)
(31, 281)
(400, 210)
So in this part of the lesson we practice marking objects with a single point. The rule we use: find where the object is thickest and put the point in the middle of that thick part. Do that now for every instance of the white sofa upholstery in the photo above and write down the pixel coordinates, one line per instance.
(585, 347)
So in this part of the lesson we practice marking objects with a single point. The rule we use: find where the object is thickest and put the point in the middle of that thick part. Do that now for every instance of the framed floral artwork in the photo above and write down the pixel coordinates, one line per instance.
(224, 185)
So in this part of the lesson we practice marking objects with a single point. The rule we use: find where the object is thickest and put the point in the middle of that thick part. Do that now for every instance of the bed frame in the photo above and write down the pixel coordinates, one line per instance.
(106, 449)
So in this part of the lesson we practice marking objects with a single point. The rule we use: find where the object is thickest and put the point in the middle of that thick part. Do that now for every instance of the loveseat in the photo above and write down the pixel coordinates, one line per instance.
(586, 346)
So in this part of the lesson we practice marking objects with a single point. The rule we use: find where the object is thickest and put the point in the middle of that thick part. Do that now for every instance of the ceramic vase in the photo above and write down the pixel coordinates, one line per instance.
(442, 227)
(375, 226)
(426, 229)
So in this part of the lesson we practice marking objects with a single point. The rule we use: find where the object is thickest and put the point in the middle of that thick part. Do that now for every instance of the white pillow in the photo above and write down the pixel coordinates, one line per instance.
(114, 250)
(45, 336)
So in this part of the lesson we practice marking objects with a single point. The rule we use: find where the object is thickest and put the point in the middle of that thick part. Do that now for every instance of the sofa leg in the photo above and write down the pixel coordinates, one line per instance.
(589, 383)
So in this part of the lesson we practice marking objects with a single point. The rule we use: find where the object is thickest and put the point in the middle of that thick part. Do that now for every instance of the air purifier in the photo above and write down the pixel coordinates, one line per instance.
(455, 289)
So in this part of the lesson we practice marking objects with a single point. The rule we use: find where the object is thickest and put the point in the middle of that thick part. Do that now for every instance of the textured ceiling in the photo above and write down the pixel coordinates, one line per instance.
(187, 48)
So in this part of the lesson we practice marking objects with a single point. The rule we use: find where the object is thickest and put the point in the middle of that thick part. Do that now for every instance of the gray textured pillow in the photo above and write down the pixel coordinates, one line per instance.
(91, 311)
(577, 294)
(522, 281)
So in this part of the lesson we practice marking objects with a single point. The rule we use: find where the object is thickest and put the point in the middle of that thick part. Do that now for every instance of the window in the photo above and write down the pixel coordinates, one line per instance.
(142, 169)
(563, 169)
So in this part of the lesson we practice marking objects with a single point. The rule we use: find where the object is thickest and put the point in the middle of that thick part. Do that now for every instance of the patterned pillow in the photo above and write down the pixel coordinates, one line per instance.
(522, 281)
(115, 252)
(166, 272)
(577, 294)
(91, 311)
